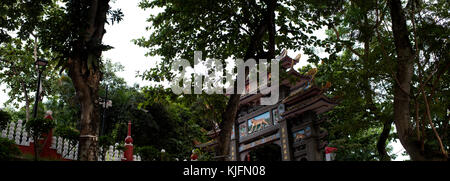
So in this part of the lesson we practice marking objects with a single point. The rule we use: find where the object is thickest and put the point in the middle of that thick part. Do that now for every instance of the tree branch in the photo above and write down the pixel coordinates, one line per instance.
(345, 43)
(436, 134)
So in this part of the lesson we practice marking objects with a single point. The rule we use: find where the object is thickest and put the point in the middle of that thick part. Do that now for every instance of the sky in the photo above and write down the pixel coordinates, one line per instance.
(133, 58)
(120, 36)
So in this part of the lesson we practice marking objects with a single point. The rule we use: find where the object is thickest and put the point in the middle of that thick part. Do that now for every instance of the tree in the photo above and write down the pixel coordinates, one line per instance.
(383, 69)
(406, 58)
(359, 69)
(87, 20)
(5, 118)
(74, 31)
(18, 72)
(169, 120)
(63, 102)
(174, 122)
(227, 29)
(39, 127)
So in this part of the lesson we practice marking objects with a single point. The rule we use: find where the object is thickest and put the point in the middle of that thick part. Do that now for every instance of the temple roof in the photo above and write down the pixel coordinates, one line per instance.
(210, 143)
(319, 104)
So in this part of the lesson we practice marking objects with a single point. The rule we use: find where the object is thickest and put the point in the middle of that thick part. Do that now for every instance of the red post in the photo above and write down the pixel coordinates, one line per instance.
(329, 153)
(47, 140)
(128, 153)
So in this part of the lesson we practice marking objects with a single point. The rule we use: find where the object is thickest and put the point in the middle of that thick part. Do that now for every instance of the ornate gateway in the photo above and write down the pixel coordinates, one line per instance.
(292, 123)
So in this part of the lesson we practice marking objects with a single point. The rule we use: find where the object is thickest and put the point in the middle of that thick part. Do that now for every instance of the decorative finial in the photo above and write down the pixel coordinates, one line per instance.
(128, 139)
(297, 58)
(284, 53)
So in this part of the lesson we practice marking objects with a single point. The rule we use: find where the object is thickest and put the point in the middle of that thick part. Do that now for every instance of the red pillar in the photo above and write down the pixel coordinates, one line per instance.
(128, 153)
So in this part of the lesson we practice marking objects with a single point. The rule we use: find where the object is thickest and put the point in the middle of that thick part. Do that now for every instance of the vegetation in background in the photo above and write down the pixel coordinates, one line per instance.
(5, 118)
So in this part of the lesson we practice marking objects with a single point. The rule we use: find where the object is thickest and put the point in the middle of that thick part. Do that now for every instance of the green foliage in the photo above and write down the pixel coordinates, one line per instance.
(174, 127)
(357, 146)
(63, 101)
(39, 126)
(20, 15)
(225, 29)
(5, 118)
(171, 122)
(361, 68)
(19, 74)
(8, 150)
(360, 81)
(105, 140)
(204, 155)
(68, 133)
(148, 153)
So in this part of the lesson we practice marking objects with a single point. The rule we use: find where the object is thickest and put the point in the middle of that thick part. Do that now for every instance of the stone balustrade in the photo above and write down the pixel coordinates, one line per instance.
(16, 132)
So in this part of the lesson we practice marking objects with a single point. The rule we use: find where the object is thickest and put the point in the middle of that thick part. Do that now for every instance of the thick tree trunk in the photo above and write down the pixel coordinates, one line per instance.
(85, 74)
(228, 118)
(405, 62)
(87, 93)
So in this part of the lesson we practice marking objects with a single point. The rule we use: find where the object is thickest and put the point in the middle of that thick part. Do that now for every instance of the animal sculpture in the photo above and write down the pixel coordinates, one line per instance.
(257, 124)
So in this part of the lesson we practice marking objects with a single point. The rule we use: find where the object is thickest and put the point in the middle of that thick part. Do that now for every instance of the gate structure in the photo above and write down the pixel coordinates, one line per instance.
(292, 123)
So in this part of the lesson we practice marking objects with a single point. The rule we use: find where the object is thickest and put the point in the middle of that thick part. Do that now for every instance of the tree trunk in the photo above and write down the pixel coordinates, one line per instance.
(27, 109)
(229, 116)
(405, 62)
(381, 144)
(85, 73)
(27, 102)
(87, 93)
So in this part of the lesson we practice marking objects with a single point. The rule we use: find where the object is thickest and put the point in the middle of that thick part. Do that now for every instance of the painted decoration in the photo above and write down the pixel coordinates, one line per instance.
(258, 123)
(232, 132)
(308, 131)
(281, 109)
(299, 135)
(243, 130)
(276, 116)
(259, 142)
(302, 134)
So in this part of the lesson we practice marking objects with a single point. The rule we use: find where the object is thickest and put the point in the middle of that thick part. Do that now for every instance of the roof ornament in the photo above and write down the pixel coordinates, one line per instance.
(296, 59)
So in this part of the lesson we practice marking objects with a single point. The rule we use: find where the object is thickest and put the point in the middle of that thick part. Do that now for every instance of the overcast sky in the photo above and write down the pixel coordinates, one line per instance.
(133, 58)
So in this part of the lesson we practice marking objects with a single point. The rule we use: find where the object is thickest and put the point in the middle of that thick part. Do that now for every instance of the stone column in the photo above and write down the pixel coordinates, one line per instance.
(312, 145)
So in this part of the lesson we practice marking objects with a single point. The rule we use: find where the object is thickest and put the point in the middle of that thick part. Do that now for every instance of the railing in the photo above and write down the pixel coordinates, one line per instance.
(60, 148)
